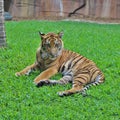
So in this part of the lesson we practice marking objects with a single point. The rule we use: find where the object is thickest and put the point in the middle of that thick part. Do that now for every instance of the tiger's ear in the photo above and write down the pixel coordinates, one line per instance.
(60, 34)
(41, 35)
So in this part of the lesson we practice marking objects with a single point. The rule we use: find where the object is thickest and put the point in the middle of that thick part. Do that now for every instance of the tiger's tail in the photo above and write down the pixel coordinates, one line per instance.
(98, 80)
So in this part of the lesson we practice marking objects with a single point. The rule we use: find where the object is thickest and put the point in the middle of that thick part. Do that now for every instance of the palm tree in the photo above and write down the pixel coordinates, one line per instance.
(2, 31)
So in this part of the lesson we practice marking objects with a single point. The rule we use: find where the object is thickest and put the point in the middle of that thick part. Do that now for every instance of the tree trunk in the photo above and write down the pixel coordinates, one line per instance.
(2, 31)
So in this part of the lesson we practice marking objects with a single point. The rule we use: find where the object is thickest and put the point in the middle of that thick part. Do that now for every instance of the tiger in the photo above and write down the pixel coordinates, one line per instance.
(53, 58)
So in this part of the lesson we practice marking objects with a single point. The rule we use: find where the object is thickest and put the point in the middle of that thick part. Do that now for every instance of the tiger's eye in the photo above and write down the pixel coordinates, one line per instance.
(59, 48)
(43, 48)
(48, 45)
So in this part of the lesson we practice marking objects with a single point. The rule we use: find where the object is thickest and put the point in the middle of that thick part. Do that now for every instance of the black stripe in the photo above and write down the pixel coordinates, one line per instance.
(83, 72)
(77, 61)
(63, 68)
(78, 81)
(92, 67)
(59, 69)
(69, 65)
(87, 87)
(81, 78)
(69, 75)
(76, 57)
(93, 74)
(88, 66)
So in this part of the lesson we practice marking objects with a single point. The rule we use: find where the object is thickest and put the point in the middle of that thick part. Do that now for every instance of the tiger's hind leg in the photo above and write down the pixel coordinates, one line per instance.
(73, 90)
(77, 87)
(80, 84)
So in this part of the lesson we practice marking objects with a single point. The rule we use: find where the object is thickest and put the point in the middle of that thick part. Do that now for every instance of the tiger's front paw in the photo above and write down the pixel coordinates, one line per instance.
(62, 93)
(42, 82)
(17, 74)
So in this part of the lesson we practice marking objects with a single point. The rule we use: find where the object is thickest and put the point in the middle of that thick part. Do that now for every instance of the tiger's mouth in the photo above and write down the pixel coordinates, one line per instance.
(53, 57)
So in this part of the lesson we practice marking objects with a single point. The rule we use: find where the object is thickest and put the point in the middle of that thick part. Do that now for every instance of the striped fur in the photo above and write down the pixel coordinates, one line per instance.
(52, 58)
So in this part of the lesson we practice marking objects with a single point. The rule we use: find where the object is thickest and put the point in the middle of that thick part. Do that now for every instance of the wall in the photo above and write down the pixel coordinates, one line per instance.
(109, 9)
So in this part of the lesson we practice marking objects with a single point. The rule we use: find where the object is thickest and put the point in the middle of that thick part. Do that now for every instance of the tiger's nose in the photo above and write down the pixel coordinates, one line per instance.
(55, 55)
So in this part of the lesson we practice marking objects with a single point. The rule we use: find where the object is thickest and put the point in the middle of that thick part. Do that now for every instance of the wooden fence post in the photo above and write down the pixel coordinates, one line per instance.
(2, 30)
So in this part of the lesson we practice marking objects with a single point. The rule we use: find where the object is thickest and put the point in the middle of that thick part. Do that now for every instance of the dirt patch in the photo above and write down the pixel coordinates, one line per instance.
(73, 18)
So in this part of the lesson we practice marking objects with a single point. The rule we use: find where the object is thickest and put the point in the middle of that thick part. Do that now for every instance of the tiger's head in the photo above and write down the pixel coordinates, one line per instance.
(51, 45)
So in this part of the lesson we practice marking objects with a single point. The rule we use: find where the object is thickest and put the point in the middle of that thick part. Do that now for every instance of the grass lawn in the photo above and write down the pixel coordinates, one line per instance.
(20, 99)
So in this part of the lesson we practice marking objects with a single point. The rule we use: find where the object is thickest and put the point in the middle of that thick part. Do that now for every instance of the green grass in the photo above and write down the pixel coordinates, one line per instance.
(21, 100)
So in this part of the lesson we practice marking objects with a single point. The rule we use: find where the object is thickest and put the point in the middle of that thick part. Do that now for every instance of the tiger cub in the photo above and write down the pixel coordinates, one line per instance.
(51, 57)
